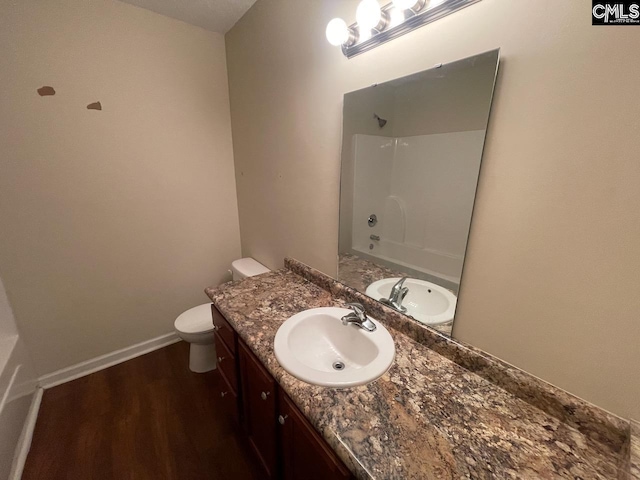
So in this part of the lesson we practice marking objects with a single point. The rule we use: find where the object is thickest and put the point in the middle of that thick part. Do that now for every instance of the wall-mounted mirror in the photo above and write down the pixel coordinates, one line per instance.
(411, 154)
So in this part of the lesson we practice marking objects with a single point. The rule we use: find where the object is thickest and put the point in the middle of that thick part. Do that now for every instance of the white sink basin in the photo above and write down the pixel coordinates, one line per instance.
(426, 302)
(317, 348)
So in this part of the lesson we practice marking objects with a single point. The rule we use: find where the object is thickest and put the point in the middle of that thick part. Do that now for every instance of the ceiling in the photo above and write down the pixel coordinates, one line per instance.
(214, 15)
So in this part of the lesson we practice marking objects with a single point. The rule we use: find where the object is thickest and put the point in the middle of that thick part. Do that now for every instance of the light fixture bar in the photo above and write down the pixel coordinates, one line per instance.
(422, 17)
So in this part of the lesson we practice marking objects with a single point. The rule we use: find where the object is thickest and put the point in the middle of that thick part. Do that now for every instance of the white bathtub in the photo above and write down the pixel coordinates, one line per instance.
(18, 386)
(439, 267)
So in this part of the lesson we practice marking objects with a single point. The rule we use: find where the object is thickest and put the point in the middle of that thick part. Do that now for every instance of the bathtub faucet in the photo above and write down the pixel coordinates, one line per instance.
(398, 292)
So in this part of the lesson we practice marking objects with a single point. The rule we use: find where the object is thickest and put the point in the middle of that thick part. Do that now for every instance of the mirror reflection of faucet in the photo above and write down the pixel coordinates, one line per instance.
(375, 237)
(398, 292)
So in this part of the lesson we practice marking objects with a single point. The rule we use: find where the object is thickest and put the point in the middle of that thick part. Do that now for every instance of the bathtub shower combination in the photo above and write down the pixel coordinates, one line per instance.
(421, 190)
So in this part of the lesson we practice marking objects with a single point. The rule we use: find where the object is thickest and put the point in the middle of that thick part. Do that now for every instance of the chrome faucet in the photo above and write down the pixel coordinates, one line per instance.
(398, 292)
(358, 317)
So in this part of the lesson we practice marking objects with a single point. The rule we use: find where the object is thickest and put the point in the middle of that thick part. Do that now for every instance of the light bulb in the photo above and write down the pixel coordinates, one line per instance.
(337, 32)
(368, 14)
(413, 5)
(364, 35)
(404, 4)
(396, 17)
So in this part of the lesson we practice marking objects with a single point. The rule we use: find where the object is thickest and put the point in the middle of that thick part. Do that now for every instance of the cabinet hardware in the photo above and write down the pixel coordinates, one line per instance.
(282, 419)
(222, 394)
(264, 395)
(220, 359)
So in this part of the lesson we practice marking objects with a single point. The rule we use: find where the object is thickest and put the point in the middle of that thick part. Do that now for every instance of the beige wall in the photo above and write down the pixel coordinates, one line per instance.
(111, 222)
(551, 280)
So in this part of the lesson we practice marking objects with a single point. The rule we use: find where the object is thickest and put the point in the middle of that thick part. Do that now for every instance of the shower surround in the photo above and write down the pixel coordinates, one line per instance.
(421, 190)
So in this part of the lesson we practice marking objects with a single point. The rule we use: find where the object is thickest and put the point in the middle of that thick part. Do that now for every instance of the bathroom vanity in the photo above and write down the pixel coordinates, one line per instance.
(288, 448)
(442, 410)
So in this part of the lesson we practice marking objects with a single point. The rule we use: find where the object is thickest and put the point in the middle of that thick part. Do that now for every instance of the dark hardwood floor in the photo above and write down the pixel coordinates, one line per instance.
(148, 418)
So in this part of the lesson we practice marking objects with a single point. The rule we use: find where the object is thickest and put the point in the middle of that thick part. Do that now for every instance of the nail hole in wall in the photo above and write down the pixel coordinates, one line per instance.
(46, 91)
(94, 106)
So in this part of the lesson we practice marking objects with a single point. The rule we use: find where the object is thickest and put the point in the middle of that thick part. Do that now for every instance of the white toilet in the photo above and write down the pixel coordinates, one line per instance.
(196, 324)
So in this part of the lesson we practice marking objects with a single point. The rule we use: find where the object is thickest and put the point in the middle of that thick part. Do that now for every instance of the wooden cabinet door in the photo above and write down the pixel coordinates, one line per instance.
(259, 402)
(305, 455)
(226, 363)
(229, 401)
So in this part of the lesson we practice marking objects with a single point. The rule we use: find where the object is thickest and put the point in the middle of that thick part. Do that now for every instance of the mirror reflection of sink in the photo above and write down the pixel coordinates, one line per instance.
(426, 302)
(317, 348)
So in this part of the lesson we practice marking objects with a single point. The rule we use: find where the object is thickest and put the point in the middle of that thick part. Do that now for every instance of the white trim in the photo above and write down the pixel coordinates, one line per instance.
(106, 361)
(7, 392)
(24, 442)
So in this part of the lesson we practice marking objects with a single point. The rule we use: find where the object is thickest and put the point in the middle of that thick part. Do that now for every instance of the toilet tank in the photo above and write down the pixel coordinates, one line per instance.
(247, 267)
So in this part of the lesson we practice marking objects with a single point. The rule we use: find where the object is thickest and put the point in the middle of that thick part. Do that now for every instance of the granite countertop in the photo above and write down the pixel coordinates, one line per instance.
(358, 273)
(428, 416)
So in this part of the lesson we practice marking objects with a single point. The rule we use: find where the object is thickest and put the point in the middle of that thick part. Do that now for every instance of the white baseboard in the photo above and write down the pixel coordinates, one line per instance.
(24, 443)
(106, 361)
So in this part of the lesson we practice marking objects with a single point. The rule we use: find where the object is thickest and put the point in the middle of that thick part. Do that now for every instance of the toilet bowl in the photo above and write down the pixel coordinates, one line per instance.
(195, 326)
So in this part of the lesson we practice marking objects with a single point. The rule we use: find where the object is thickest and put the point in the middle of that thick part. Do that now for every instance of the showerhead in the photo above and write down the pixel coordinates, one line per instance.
(381, 121)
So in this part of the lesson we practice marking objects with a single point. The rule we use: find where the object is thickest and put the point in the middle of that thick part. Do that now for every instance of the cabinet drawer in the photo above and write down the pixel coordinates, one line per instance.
(224, 330)
(226, 364)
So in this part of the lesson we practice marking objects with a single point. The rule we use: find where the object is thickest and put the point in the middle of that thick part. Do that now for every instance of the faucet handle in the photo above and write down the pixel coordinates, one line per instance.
(363, 321)
(358, 309)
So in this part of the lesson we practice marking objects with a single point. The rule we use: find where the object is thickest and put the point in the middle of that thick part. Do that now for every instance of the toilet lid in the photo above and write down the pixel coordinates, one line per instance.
(195, 320)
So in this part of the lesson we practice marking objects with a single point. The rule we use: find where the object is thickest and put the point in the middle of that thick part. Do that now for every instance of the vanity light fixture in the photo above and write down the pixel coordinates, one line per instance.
(339, 34)
(376, 25)
(414, 5)
(370, 16)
